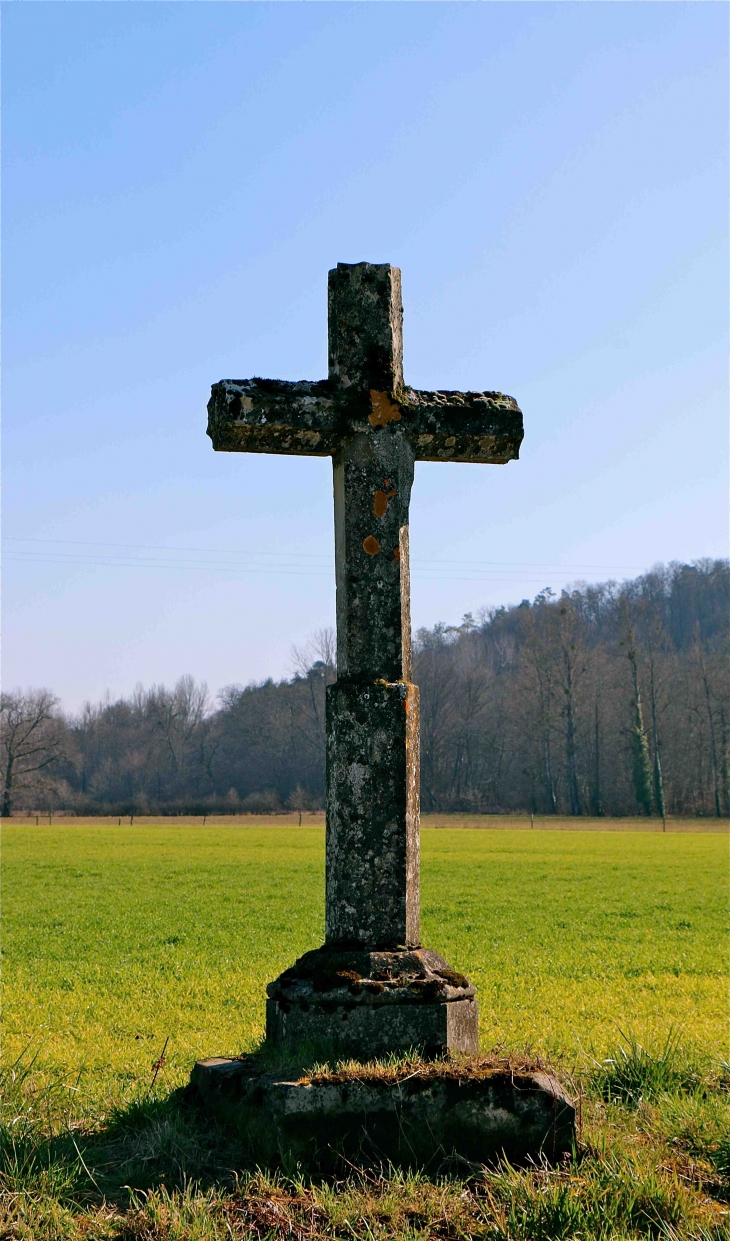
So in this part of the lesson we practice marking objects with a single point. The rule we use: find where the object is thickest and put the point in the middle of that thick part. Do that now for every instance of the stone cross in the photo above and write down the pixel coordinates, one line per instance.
(375, 428)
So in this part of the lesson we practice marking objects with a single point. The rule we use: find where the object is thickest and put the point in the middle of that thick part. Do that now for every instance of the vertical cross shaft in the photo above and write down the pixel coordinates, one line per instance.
(370, 988)
(372, 710)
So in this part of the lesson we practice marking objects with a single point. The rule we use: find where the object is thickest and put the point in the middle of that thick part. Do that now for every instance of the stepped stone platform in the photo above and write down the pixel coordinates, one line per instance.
(430, 1115)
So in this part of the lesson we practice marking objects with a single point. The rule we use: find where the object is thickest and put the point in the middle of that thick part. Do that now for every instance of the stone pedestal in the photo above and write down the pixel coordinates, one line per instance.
(433, 1117)
(362, 1004)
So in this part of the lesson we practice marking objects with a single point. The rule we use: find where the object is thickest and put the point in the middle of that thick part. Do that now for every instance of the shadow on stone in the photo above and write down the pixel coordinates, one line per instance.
(410, 1114)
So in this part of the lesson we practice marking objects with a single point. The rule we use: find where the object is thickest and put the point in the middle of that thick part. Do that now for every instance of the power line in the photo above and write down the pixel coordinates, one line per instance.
(289, 555)
(490, 576)
(296, 570)
(237, 551)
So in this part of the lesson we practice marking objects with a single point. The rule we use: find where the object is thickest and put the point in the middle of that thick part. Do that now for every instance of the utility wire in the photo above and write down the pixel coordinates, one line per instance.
(419, 570)
(325, 560)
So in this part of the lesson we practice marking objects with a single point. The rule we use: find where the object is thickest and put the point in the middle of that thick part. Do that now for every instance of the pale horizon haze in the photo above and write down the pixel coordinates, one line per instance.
(551, 178)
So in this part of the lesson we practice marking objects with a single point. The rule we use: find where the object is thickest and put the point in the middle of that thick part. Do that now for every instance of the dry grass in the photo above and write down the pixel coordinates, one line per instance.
(398, 1068)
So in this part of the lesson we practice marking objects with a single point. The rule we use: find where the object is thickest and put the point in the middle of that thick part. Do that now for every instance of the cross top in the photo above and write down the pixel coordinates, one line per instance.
(374, 427)
(364, 391)
(365, 327)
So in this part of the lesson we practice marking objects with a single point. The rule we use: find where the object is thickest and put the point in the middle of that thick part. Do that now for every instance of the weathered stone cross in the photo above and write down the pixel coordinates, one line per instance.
(371, 987)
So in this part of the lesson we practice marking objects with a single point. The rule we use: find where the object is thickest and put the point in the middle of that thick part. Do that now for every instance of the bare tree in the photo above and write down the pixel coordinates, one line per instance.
(654, 687)
(725, 759)
(298, 800)
(639, 742)
(316, 663)
(178, 714)
(31, 739)
(438, 711)
(571, 670)
(321, 648)
(540, 688)
(709, 697)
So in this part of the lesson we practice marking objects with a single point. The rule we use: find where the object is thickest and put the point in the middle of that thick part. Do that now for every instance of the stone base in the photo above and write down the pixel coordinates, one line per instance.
(365, 1004)
(429, 1119)
(352, 1028)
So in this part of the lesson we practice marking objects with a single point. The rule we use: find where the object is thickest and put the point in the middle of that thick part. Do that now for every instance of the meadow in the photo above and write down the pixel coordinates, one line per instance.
(120, 941)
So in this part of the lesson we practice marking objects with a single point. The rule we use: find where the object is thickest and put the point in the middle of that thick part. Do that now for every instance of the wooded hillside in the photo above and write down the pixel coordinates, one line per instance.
(609, 699)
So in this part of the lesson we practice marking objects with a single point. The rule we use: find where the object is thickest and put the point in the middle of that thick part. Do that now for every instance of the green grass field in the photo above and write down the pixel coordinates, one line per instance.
(117, 939)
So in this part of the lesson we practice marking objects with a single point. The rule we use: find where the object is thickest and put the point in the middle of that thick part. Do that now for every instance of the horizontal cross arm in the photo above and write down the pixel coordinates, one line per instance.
(272, 415)
(462, 426)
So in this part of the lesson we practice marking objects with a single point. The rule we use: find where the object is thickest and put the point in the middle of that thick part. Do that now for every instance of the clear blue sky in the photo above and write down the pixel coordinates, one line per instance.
(178, 178)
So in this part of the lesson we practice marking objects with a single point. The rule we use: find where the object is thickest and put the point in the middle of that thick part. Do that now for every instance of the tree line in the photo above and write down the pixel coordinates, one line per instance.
(606, 699)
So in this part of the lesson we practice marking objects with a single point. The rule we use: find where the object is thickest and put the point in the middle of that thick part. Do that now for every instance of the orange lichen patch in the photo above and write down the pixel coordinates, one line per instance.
(371, 545)
(396, 553)
(380, 503)
(384, 410)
